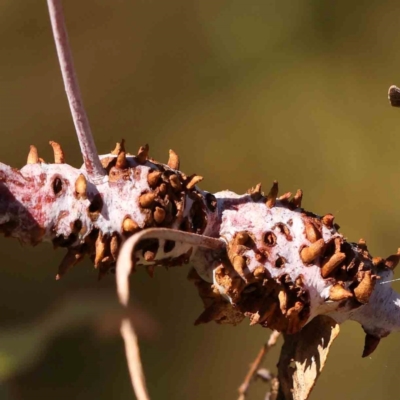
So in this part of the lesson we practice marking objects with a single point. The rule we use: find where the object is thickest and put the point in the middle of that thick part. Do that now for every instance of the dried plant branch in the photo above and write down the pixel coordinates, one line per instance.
(133, 359)
(124, 267)
(91, 159)
(255, 365)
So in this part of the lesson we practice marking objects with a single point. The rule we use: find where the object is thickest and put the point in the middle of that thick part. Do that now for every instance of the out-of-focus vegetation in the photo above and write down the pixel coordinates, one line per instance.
(244, 92)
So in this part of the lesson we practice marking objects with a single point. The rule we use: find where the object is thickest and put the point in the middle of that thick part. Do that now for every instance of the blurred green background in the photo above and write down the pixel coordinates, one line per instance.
(244, 91)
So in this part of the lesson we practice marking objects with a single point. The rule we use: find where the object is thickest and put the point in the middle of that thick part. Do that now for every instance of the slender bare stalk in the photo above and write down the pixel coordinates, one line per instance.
(255, 365)
(125, 264)
(133, 359)
(90, 156)
(124, 268)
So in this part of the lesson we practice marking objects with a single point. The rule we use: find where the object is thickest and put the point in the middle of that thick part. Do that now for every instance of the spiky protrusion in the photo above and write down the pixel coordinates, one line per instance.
(58, 153)
(33, 157)
(173, 160)
(81, 187)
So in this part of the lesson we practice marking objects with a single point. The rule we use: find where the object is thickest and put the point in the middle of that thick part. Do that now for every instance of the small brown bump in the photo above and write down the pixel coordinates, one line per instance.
(129, 225)
(283, 300)
(297, 198)
(241, 238)
(81, 187)
(143, 154)
(58, 153)
(173, 160)
(270, 239)
(327, 220)
(194, 181)
(33, 157)
(330, 265)
(392, 261)
(309, 254)
(259, 273)
(100, 250)
(149, 255)
(153, 178)
(122, 162)
(312, 232)
(175, 182)
(271, 197)
(365, 288)
(146, 200)
(362, 244)
(162, 189)
(159, 215)
(114, 246)
(370, 344)
(119, 146)
(239, 265)
(338, 293)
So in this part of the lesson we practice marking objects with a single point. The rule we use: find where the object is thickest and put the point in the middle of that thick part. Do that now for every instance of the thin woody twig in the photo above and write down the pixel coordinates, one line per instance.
(90, 155)
(123, 270)
(133, 359)
(244, 387)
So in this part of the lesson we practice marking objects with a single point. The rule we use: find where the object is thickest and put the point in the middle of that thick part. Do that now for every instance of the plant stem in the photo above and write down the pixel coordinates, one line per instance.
(90, 156)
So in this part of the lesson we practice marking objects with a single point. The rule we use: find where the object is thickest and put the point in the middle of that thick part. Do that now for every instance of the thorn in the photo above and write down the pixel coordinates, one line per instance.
(285, 197)
(58, 153)
(81, 187)
(312, 233)
(255, 193)
(121, 162)
(394, 96)
(159, 215)
(194, 181)
(175, 182)
(330, 265)
(100, 251)
(298, 197)
(327, 220)
(119, 147)
(239, 264)
(72, 258)
(129, 225)
(362, 244)
(370, 344)
(150, 270)
(173, 160)
(149, 255)
(241, 238)
(33, 157)
(271, 197)
(146, 200)
(143, 154)
(392, 261)
(338, 293)
(309, 254)
(365, 288)
(153, 178)
(114, 246)
(283, 300)
(211, 313)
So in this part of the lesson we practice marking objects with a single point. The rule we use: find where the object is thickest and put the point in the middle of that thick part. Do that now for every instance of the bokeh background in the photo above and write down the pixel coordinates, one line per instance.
(244, 91)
